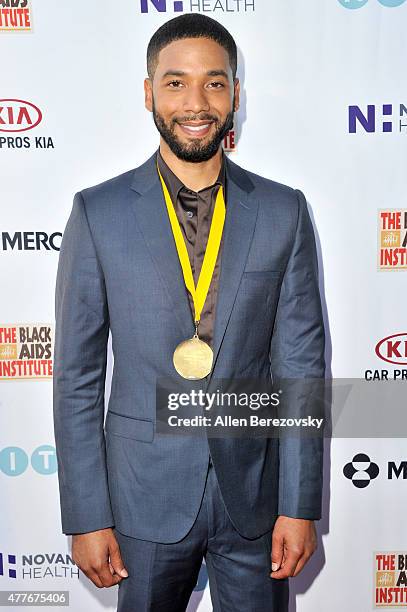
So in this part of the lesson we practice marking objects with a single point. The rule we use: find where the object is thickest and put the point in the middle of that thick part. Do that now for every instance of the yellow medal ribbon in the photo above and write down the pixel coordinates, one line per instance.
(199, 292)
(193, 357)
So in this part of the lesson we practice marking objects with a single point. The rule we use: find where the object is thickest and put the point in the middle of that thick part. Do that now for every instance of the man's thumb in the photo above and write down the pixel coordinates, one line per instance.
(276, 553)
(117, 563)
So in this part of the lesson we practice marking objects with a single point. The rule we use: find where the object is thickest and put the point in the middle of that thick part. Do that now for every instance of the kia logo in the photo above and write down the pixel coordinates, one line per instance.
(18, 115)
(393, 349)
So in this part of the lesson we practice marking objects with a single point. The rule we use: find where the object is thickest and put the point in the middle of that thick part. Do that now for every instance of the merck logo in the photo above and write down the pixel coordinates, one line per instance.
(361, 470)
(193, 6)
(384, 118)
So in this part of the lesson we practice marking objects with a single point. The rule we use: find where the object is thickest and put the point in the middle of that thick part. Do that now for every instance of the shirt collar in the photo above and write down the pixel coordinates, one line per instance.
(174, 184)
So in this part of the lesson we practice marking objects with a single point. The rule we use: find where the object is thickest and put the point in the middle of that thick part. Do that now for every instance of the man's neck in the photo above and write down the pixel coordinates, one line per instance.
(195, 176)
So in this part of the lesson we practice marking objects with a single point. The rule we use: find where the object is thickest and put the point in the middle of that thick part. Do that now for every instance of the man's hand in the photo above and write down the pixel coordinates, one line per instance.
(97, 554)
(293, 542)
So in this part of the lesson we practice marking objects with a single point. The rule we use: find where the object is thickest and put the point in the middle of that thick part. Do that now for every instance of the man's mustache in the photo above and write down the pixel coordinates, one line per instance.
(196, 118)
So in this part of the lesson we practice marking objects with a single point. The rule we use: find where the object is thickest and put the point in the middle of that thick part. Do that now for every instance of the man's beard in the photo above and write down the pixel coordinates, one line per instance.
(195, 151)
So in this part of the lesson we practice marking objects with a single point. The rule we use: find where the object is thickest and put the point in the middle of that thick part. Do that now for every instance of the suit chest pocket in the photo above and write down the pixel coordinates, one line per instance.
(260, 284)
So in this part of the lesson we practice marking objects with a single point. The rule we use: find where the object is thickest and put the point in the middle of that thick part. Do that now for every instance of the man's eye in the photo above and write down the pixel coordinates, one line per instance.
(216, 84)
(174, 83)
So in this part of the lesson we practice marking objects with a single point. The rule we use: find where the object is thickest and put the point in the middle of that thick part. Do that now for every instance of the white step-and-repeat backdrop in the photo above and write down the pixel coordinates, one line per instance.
(324, 109)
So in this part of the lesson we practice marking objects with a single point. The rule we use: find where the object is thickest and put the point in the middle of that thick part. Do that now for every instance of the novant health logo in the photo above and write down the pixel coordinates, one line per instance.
(378, 118)
(197, 6)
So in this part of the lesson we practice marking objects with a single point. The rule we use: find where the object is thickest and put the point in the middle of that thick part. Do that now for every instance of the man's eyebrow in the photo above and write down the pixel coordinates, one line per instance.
(215, 73)
(180, 73)
(173, 73)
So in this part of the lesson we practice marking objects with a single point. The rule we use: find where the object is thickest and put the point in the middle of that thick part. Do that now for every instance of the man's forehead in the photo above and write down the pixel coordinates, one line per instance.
(173, 72)
(187, 53)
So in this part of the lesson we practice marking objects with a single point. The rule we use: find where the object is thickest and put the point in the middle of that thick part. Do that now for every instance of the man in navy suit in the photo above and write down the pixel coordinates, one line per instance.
(145, 509)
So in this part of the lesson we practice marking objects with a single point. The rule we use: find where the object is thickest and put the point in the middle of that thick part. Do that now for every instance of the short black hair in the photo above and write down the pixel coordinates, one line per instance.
(190, 25)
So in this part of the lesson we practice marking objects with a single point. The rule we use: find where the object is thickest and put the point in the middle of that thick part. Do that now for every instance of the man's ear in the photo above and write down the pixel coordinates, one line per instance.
(148, 94)
(237, 94)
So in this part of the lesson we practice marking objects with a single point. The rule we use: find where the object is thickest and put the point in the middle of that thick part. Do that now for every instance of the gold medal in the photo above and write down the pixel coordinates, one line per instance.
(193, 358)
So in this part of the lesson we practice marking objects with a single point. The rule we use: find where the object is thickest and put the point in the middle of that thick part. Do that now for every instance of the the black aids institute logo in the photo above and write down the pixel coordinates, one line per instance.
(361, 470)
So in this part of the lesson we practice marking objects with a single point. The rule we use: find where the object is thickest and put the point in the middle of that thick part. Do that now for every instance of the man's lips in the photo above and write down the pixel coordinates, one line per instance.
(197, 129)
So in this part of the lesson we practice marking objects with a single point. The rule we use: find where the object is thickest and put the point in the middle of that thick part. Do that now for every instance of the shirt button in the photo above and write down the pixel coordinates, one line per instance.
(190, 214)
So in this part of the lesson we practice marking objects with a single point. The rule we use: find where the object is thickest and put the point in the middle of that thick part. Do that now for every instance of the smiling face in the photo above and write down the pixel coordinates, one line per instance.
(193, 97)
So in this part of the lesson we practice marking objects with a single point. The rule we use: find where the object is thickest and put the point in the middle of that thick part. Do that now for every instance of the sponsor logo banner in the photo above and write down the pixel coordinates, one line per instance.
(390, 572)
(26, 351)
(15, 15)
(392, 239)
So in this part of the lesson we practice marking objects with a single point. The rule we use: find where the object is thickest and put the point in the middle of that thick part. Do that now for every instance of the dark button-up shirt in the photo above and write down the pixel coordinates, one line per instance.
(194, 211)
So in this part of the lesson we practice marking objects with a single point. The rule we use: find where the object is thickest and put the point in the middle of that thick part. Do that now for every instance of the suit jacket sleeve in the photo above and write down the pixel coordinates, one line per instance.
(297, 352)
(80, 353)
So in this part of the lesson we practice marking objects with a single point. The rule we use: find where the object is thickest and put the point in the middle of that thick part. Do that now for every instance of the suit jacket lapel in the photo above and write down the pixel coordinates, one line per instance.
(152, 218)
(241, 215)
(153, 221)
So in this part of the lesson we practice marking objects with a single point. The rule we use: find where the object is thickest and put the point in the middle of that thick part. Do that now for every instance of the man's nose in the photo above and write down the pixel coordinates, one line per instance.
(195, 100)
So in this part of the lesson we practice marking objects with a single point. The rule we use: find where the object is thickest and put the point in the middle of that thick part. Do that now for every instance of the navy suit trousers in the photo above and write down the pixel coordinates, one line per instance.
(163, 576)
